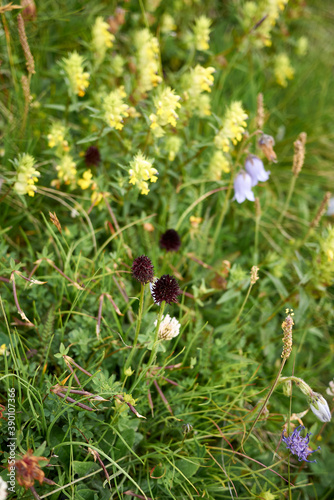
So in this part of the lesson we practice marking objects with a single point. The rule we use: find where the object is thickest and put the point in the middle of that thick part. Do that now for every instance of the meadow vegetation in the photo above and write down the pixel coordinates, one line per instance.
(166, 249)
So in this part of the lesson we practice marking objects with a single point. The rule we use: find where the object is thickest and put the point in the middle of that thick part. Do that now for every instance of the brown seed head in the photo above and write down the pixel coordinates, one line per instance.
(28, 470)
(254, 276)
(299, 154)
(287, 336)
(266, 143)
(322, 209)
(29, 10)
(55, 221)
(260, 111)
(25, 45)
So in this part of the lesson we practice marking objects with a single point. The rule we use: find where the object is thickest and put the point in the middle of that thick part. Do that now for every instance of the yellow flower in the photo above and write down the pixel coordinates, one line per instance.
(142, 171)
(197, 81)
(203, 105)
(148, 60)
(77, 77)
(167, 24)
(302, 46)
(115, 109)
(202, 32)
(218, 164)
(330, 254)
(66, 170)
(96, 196)
(195, 221)
(56, 136)
(253, 11)
(86, 180)
(202, 79)
(102, 39)
(283, 69)
(233, 127)
(3, 350)
(166, 102)
(172, 146)
(26, 176)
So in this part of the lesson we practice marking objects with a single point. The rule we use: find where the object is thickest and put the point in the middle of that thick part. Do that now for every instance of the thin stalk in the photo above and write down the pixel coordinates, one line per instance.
(287, 202)
(9, 51)
(289, 473)
(140, 315)
(256, 239)
(156, 335)
(223, 212)
(266, 400)
(244, 302)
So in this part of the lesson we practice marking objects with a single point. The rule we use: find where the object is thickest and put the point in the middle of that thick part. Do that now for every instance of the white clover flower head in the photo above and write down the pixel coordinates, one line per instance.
(3, 489)
(243, 187)
(169, 328)
(255, 168)
(320, 408)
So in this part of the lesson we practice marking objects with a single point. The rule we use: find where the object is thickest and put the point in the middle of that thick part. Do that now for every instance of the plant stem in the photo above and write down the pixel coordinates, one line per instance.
(287, 202)
(266, 400)
(244, 302)
(223, 212)
(156, 335)
(135, 340)
(256, 240)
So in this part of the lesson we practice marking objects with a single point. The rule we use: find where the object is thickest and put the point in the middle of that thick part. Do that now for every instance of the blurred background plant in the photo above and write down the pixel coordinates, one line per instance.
(125, 128)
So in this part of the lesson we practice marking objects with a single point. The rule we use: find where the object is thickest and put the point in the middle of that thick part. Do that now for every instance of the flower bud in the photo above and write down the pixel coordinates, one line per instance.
(320, 408)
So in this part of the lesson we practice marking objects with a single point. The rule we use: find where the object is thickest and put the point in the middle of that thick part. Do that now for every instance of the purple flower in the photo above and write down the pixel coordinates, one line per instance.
(170, 240)
(142, 269)
(165, 289)
(255, 169)
(299, 445)
(243, 187)
(92, 156)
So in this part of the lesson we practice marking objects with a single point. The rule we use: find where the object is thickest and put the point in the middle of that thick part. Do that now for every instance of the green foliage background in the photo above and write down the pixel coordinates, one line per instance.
(222, 368)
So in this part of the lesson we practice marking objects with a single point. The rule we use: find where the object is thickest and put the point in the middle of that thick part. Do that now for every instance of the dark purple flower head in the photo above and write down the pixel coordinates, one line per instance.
(298, 445)
(142, 269)
(170, 240)
(165, 289)
(92, 156)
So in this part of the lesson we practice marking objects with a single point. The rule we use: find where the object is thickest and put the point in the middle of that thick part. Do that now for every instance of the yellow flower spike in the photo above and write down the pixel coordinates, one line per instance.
(27, 175)
(142, 171)
(66, 170)
(102, 39)
(219, 164)
(195, 83)
(147, 60)
(115, 109)
(283, 69)
(202, 33)
(166, 102)
(233, 127)
(56, 136)
(78, 79)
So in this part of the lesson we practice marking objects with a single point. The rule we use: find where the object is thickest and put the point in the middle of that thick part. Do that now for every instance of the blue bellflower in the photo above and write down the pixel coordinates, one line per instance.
(243, 187)
(298, 445)
(255, 168)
